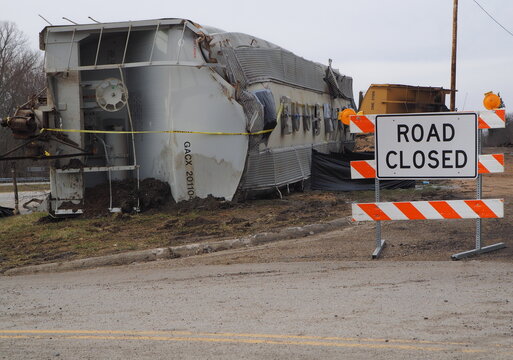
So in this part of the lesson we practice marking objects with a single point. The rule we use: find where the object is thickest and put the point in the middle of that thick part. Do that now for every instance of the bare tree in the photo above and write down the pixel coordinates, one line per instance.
(21, 72)
(21, 76)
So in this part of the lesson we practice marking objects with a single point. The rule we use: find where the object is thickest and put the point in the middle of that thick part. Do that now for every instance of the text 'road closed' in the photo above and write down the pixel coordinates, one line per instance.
(426, 146)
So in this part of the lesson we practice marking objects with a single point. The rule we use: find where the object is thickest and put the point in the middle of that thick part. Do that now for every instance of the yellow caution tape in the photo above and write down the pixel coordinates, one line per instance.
(155, 132)
(280, 109)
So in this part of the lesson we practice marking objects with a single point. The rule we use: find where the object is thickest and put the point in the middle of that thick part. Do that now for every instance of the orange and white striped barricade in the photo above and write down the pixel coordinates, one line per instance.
(362, 124)
(429, 146)
(426, 210)
(492, 119)
(487, 119)
(488, 164)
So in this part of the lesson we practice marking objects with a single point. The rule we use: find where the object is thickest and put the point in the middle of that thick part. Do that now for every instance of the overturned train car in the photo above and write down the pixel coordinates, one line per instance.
(207, 111)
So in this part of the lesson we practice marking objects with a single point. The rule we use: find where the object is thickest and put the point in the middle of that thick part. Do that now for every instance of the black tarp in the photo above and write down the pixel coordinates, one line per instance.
(333, 172)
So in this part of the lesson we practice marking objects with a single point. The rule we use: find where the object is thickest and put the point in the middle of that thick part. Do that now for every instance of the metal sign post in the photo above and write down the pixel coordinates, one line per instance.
(380, 243)
(478, 249)
(429, 146)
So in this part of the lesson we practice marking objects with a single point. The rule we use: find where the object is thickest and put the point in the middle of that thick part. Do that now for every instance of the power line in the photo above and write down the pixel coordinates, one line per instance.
(491, 17)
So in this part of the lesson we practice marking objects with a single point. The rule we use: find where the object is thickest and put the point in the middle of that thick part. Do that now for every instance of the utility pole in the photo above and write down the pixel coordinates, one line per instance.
(453, 57)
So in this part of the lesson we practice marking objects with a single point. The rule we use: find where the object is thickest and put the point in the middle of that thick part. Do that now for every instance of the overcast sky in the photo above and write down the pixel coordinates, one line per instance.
(374, 41)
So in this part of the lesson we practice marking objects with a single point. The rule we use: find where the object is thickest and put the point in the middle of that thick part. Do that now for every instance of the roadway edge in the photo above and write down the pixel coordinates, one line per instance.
(180, 251)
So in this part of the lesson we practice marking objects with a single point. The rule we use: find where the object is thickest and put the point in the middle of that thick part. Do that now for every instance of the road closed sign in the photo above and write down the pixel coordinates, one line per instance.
(426, 146)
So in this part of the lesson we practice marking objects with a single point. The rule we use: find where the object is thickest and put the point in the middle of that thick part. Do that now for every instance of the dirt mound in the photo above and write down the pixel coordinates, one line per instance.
(364, 142)
(152, 194)
(209, 203)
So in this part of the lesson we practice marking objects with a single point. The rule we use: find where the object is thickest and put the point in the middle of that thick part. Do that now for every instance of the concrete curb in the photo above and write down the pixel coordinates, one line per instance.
(180, 251)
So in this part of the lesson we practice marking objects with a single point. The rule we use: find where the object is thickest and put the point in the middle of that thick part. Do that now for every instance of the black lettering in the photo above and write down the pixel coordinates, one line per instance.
(463, 162)
(446, 157)
(434, 161)
(402, 129)
(433, 132)
(401, 163)
(188, 159)
(189, 174)
(387, 158)
(422, 157)
(448, 129)
(417, 138)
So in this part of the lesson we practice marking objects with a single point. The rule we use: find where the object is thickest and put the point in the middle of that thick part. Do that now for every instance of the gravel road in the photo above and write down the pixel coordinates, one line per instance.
(300, 310)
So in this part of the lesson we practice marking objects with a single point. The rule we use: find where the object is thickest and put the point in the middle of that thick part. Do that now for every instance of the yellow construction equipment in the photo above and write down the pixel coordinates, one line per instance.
(396, 99)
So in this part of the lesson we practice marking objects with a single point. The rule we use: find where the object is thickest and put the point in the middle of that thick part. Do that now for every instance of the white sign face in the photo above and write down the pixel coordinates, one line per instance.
(426, 146)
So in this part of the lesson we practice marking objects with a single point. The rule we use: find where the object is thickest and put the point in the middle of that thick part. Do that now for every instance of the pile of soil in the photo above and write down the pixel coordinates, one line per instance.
(364, 142)
(210, 203)
(152, 194)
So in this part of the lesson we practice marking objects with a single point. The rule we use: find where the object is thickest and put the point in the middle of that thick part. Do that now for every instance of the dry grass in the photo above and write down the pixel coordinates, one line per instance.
(26, 240)
(24, 187)
(34, 239)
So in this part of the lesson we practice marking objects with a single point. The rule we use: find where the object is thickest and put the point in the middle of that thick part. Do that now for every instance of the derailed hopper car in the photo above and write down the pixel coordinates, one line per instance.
(207, 111)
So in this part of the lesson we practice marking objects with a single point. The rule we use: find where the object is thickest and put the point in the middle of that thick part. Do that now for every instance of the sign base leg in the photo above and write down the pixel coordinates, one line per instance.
(483, 250)
(378, 250)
